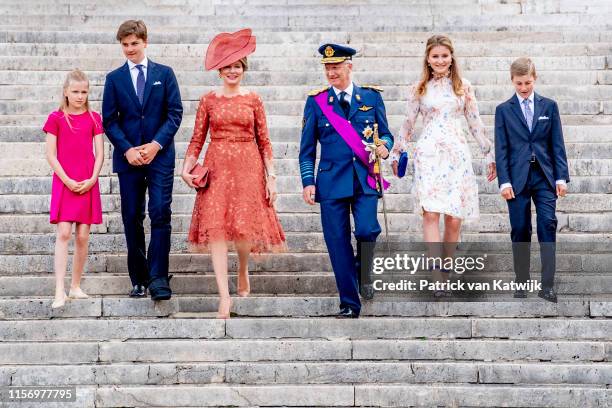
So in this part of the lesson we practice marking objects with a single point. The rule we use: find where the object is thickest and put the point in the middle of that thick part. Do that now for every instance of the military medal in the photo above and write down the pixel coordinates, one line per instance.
(367, 132)
(331, 99)
(358, 97)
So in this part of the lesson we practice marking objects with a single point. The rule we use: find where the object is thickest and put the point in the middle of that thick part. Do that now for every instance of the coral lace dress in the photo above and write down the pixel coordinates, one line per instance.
(233, 207)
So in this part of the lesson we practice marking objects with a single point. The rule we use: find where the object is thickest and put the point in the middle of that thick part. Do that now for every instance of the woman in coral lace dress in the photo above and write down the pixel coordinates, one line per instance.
(236, 209)
(444, 181)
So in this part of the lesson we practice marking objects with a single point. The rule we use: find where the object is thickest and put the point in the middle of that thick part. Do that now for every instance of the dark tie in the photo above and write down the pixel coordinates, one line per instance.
(140, 83)
(344, 104)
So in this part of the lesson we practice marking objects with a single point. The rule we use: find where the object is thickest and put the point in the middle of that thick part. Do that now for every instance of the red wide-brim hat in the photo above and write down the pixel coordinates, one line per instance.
(227, 48)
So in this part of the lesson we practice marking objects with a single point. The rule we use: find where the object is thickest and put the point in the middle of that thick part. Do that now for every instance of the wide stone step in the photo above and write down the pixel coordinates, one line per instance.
(201, 35)
(307, 328)
(402, 228)
(31, 260)
(497, 306)
(382, 77)
(296, 108)
(309, 49)
(339, 395)
(109, 184)
(266, 330)
(297, 372)
(392, 20)
(594, 133)
(176, 396)
(183, 203)
(15, 96)
(282, 150)
(401, 220)
(296, 63)
(275, 283)
(290, 167)
(190, 351)
(302, 283)
(265, 10)
(295, 120)
(28, 99)
(27, 263)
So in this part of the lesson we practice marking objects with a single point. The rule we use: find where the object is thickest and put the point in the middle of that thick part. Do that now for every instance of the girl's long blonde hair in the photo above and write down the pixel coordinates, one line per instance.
(75, 75)
(427, 74)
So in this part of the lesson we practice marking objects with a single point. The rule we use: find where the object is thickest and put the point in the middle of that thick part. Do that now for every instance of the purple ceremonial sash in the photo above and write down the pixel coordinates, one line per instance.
(350, 136)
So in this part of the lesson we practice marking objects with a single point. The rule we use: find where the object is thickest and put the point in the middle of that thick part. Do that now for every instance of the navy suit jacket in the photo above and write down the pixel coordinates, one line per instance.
(335, 176)
(514, 143)
(128, 124)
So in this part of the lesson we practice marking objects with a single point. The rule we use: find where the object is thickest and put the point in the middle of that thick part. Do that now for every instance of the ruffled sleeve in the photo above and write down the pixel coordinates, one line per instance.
(475, 124)
(261, 130)
(200, 129)
(407, 128)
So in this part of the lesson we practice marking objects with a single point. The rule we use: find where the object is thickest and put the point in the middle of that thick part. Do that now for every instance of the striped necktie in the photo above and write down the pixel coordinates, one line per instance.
(140, 83)
(528, 113)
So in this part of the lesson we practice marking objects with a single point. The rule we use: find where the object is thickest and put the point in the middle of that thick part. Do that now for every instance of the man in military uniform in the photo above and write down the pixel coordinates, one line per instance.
(342, 118)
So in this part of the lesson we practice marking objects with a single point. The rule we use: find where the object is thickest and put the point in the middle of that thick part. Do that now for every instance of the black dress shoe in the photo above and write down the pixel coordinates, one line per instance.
(520, 294)
(347, 313)
(159, 288)
(367, 291)
(138, 291)
(548, 294)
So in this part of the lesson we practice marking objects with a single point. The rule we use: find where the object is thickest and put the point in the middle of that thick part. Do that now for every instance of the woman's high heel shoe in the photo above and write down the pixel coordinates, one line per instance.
(245, 289)
(77, 293)
(224, 308)
(57, 303)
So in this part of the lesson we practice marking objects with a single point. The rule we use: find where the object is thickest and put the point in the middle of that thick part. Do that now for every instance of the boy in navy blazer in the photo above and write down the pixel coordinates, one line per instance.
(142, 111)
(531, 165)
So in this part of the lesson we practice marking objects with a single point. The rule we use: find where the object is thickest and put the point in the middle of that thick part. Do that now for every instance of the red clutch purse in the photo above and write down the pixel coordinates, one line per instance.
(201, 181)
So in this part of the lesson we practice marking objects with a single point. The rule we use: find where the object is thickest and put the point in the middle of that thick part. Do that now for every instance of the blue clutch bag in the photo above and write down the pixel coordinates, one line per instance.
(402, 164)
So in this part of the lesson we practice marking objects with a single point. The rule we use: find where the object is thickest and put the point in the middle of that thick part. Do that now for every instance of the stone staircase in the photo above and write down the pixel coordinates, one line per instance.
(284, 349)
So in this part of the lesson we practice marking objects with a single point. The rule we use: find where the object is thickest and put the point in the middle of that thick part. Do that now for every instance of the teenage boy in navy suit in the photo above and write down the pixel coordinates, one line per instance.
(531, 165)
(142, 112)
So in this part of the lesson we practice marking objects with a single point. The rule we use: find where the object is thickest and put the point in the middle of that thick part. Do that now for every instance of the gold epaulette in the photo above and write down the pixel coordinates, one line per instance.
(374, 87)
(318, 91)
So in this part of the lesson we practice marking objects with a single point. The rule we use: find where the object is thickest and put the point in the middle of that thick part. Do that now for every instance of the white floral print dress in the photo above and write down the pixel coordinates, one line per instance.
(443, 176)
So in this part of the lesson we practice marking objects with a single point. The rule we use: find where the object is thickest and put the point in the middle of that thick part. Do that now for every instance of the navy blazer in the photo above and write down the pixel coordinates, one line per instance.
(128, 124)
(335, 174)
(514, 143)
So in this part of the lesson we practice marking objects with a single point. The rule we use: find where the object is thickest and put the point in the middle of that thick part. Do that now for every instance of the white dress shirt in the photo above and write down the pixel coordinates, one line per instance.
(348, 91)
(532, 106)
(134, 75)
(134, 71)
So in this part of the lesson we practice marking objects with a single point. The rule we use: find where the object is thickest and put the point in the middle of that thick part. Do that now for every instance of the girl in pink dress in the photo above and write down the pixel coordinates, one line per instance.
(72, 132)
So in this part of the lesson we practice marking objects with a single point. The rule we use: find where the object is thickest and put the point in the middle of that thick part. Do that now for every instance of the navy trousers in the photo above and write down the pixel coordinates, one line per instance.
(335, 219)
(144, 265)
(544, 197)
